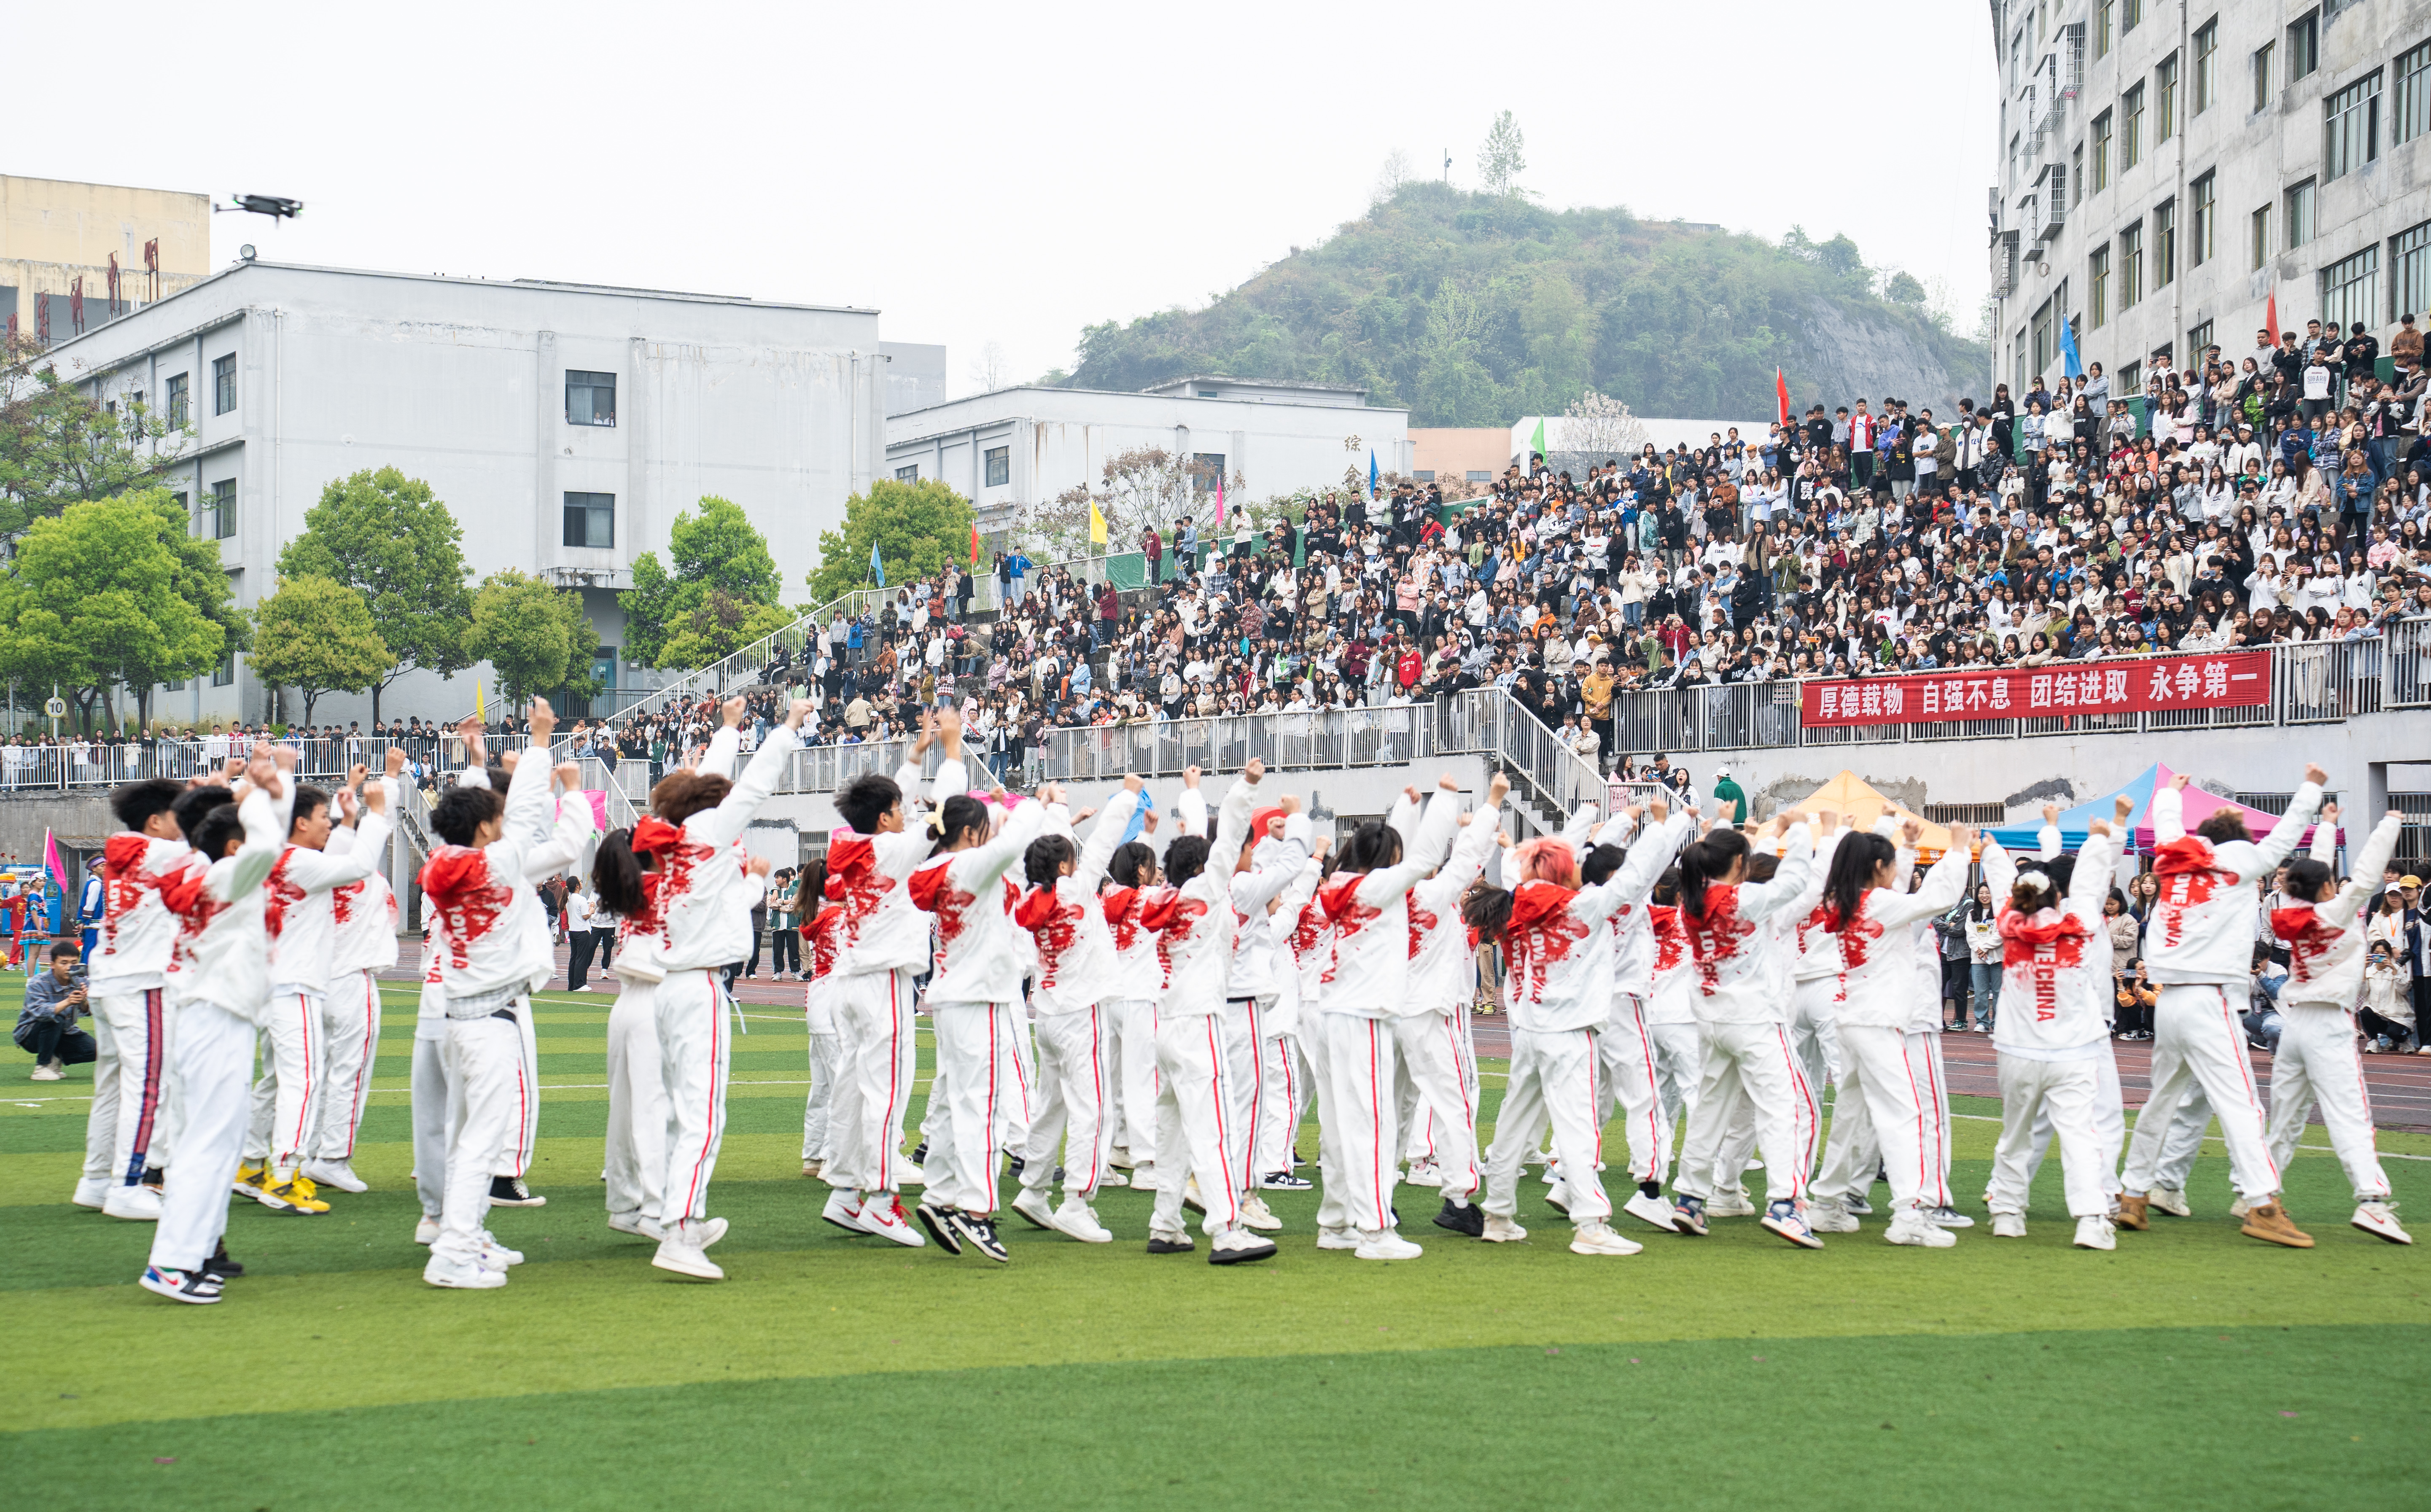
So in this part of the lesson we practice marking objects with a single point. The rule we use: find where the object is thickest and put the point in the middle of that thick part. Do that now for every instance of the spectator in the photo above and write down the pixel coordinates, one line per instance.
(47, 1026)
(1984, 957)
(785, 920)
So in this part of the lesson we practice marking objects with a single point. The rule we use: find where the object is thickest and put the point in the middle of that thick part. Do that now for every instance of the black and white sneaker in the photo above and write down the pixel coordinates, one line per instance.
(939, 1222)
(920, 1156)
(1856, 1203)
(1462, 1218)
(182, 1285)
(1170, 1244)
(1283, 1180)
(980, 1233)
(154, 1178)
(509, 1191)
(220, 1266)
(1013, 1164)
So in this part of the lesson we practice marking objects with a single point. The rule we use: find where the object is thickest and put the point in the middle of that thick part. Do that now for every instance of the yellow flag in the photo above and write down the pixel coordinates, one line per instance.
(477, 713)
(1097, 525)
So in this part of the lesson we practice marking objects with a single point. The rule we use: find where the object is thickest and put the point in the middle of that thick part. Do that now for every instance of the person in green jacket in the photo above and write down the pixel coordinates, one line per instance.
(1730, 800)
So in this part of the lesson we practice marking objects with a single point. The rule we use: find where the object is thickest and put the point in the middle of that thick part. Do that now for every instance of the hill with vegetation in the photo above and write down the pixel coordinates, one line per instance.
(1476, 308)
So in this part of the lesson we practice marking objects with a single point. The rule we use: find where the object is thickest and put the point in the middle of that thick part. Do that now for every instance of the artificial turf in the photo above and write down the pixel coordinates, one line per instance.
(838, 1369)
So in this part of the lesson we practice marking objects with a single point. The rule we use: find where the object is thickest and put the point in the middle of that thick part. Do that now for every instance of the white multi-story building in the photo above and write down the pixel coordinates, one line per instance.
(2169, 166)
(564, 426)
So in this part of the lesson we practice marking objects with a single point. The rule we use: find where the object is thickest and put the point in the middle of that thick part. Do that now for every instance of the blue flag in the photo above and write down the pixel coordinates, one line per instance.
(2071, 364)
(1371, 474)
(1140, 812)
(876, 567)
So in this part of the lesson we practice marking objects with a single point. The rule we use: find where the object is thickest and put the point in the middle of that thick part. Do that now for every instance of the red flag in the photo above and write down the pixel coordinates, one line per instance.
(2271, 316)
(975, 543)
(1781, 389)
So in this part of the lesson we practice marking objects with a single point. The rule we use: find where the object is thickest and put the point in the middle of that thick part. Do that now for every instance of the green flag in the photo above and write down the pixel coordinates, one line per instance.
(1539, 445)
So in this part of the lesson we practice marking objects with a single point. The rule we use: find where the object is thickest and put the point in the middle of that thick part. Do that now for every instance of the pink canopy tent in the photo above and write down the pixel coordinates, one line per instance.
(2199, 806)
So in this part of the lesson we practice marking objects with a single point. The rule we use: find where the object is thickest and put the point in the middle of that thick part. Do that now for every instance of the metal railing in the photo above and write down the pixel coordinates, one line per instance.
(106, 764)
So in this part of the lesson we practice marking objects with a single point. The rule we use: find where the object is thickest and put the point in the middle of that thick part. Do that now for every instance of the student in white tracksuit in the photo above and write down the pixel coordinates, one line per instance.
(222, 986)
(1432, 1039)
(1076, 965)
(1290, 1076)
(1192, 919)
(1814, 1018)
(1741, 990)
(1672, 1010)
(2051, 1035)
(129, 989)
(1631, 1078)
(882, 941)
(971, 1001)
(2198, 948)
(1308, 940)
(2109, 1102)
(819, 920)
(1269, 863)
(1137, 979)
(1881, 928)
(363, 915)
(2316, 1059)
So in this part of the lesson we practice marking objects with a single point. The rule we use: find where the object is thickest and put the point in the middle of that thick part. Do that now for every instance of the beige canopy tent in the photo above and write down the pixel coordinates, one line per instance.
(1857, 805)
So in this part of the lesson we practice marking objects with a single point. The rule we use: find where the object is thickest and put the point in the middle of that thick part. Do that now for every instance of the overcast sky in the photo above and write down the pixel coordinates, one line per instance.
(1000, 174)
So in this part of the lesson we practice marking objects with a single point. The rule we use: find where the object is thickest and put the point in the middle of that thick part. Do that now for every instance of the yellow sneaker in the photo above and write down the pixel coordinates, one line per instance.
(294, 1195)
(248, 1180)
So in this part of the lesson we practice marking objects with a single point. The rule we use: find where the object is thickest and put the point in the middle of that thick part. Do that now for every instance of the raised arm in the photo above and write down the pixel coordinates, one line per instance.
(2097, 863)
(1278, 862)
(1763, 899)
(1232, 821)
(982, 865)
(1943, 885)
(1421, 856)
(2000, 872)
(2170, 813)
(2324, 847)
(264, 821)
(1091, 868)
(724, 825)
(2369, 864)
(2280, 842)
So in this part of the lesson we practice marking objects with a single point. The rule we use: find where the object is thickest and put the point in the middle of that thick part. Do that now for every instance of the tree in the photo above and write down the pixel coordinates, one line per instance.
(1601, 428)
(535, 638)
(1145, 487)
(58, 448)
(991, 370)
(1499, 162)
(917, 528)
(317, 636)
(1903, 288)
(717, 554)
(383, 535)
(1391, 176)
(91, 600)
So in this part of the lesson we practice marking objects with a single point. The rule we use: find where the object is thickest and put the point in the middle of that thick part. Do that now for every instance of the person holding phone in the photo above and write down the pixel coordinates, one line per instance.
(47, 1026)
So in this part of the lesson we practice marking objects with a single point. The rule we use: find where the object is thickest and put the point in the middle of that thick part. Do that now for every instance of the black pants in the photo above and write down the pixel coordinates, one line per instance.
(47, 1039)
(785, 950)
(582, 945)
(1955, 975)
(751, 967)
(2373, 1023)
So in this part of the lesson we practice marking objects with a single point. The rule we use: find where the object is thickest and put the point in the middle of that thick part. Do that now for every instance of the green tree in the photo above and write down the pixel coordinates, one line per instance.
(721, 595)
(316, 636)
(1500, 161)
(917, 527)
(383, 535)
(534, 636)
(58, 448)
(91, 600)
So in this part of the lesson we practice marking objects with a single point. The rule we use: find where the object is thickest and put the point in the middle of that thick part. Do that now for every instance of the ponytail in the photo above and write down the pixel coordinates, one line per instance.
(617, 876)
(957, 813)
(1044, 861)
(1487, 909)
(1852, 872)
(1706, 863)
(1133, 860)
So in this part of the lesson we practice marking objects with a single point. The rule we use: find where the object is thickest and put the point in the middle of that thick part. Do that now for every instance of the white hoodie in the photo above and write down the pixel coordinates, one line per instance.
(490, 935)
(1278, 861)
(223, 942)
(882, 929)
(2325, 943)
(1443, 967)
(978, 960)
(137, 934)
(1076, 950)
(1369, 915)
(302, 917)
(705, 895)
(1738, 981)
(2201, 928)
(1193, 923)
(2055, 965)
(1556, 980)
(1878, 947)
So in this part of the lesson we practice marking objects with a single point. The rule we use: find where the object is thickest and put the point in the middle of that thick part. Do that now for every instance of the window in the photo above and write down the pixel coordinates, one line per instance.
(2130, 379)
(2076, 171)
(999, 467)
(2097, 279)
(2300, 214)
(1477, 477)
(219, 511)
(1426, 475)
(2130, 12)
(224, 673)
(909, 474)
(2198, 342)
(2044, 336)
(180, 409)
(2102, 29)
(2130, 266)
(1211, 393)
(2350, 290)
(2164, 242)
(590, 520)
(2203, 227)
(590, 398)
(2410, 114)
(2131, 128)
(2207, 66)
(224, 384)
(2165, 98)
(2266, 57)
(2304, 46)
(2351, 126)
(1206, 471)
(2101, 152)
(2409, 270)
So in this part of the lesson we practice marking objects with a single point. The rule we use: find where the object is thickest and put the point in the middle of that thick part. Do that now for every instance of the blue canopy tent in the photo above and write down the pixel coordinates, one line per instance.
(2075, 822)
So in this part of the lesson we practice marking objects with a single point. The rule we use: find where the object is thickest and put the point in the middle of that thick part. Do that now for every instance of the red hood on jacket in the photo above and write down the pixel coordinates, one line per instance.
(1537, 902)
(2045, 927)
(654, 834)
(453, 873)
(2188, 852)
(2300, 922)
(122, 852)
(1036, 907)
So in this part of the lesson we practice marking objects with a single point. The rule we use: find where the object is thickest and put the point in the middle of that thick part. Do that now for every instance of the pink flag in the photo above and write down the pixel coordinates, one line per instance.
(52, 864)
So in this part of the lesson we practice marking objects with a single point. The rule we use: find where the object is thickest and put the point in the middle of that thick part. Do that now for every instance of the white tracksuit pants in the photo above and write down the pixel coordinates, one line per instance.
(2110, 1124)
(826, 1056)
(2182, 1139)
(1749, 1066)
(2197, 1041)
(1627, 1050)
(430, 1123)
(1430, 1052)
(1886, 1069)
(636, 1162)
(965, 1101)
(1072, 1104)
(694, 1035)
(1361, 1056)
(1193, 1105)
(873, 1082)
(1553, 1080)
(1334, 1182)
(1283, 1090)
(294, 1052)
(2318, 1060)
(1245, 1040)
(1131, 1029)
(1018, 1078)
(2062, 1096)
(1679, 1061)
(1937, 1109)
(350, 1021)
(480, 1057)
(1815, 1033)
(214, 1057)
(129, 1080)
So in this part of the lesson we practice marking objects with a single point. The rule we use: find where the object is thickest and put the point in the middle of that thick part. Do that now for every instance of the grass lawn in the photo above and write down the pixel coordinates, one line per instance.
(2192, 1365)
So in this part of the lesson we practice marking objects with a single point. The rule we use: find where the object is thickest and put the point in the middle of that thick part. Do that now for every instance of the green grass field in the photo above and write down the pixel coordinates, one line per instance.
(2192, 1366)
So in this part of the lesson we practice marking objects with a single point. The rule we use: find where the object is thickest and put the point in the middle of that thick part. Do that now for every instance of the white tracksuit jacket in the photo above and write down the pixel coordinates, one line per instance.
(1443, 963)
(2326, 945)
(1878, 947)
(221, 935)
(1193, 923)
(138, 938)
(978, 960)
(1067, 926)
(2201, 928)
(1739, 980)
(2054, 966)
(882, 930)
(1369, 914)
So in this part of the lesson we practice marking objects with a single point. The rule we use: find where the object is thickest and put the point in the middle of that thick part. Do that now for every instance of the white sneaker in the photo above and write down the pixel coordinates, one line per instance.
(427, 1231)
(1034, 1208)
(1731, 1204)
(1502, 1231)
(1423, 1173)
(335, 1173)
(889, 1222)
(2378, 1218)
(1112, 1176)
(48, 1072)
(464, 1275)
(1190, 1198)
(698, 1233)
(2171, 1201)
(1384, 1243)
(2008, 1225)
(1257, 1214)
(686, 1260)
(1824, 1216)
(1079, 1219)
(139, 1204)
(1912, 1227)
(92, 1191)
(1598, 1239)
(1144, 1177)
(909, 1174)
(2239, 1208)
(2094, 1231)
(1948, 1218)
(1337, 1238)
(635, 1225)
(1233, 1245)
(497, 1256)
(1652, 1210)
(814, 1168)
(1118, 1157)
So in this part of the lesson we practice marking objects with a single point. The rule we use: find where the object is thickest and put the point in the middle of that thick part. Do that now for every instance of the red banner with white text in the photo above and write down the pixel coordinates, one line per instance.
(2223, 679)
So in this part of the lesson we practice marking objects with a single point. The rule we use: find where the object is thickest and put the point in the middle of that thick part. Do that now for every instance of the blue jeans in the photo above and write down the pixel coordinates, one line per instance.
(1987, 985)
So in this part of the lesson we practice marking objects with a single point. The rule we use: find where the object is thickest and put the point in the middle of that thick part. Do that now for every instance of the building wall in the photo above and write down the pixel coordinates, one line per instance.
(2248, 157)
(915, 375)
(462, 383)
(1453, 452)
(55, 231)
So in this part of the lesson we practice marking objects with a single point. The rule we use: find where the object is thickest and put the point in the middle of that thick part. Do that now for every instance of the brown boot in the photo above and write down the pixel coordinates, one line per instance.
(2269, 1221)
(2134, 1211)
